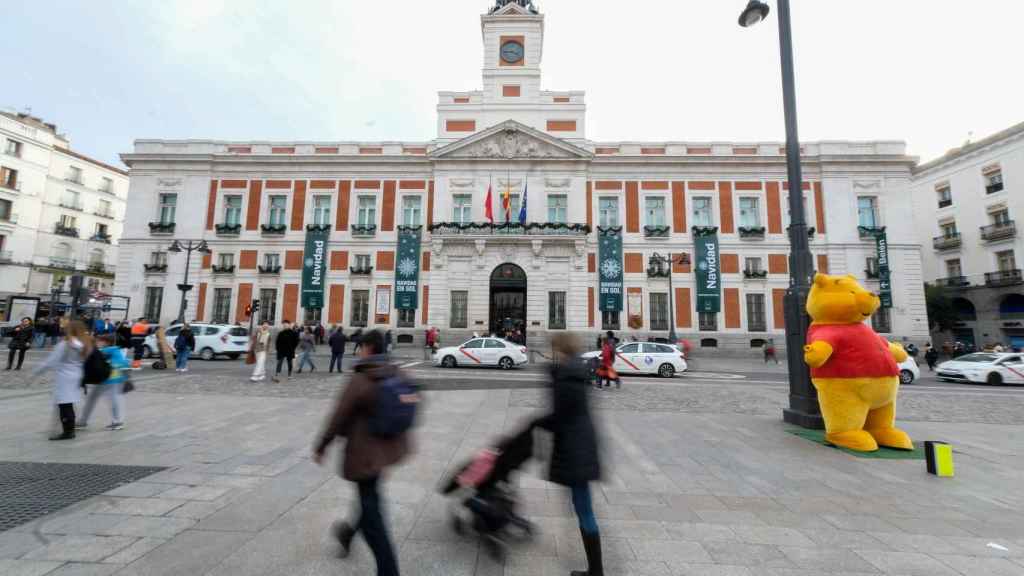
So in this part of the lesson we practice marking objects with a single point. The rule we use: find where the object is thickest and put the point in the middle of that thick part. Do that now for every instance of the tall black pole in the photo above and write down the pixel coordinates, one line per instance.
(803, 398)
(671, 302)
(184, 287)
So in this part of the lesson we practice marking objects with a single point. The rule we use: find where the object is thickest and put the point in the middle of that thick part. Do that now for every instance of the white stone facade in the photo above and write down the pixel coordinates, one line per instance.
(514, 135)
(967, 209)
(61, 213)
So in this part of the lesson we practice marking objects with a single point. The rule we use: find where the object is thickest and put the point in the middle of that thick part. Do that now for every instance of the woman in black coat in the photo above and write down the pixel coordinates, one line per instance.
(21, 340)
(574, 457)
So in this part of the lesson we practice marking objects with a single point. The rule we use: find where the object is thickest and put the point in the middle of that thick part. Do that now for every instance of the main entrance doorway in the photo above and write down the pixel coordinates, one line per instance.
(508, 300)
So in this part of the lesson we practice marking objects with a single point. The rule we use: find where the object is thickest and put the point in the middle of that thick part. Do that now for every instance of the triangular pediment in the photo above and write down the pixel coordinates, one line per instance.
(513, 8)
(511, 140)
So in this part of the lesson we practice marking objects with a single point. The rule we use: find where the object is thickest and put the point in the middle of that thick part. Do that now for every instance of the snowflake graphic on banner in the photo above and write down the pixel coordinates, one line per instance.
(610, 268)
(407, 267)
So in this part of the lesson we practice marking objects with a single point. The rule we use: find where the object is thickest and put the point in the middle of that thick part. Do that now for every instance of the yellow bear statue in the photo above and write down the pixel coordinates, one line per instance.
(853, 368)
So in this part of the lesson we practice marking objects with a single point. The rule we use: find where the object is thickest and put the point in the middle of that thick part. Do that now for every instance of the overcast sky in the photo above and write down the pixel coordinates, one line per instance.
(107, 72)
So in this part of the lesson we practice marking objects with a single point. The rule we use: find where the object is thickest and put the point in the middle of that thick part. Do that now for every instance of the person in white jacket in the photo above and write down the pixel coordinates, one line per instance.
(66, 360)
(260, 345)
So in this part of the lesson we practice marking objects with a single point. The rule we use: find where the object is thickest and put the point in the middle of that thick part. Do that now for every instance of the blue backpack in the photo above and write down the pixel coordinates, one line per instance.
(395, 407)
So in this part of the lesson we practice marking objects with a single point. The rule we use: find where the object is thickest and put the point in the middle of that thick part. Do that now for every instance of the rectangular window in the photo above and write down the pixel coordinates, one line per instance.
(154, 302)
(558, 208)
(67, 221)
(411, 210)
(158, 258)
(360, 308)
(462, 208)
(460, 309)
(789, 213)
(322, 210)
(5, 209)
(993, 181)
(104, 208)
(232, 210)
(71, 199)
(221, 305)
(556, 310)
(101, 231)
(406, 318)
(953, 268)
(948, 229)
(881, 320)
(608, 211)
(74, 174)
(750, 212)
(752, 265)
(225, 259)
(708, 321)
(867, 211)
(278, 210)
(659, 311)
(1006, 261)
(271, 261)
(362, 261)
(1001, 218)
(168, 206)
(268, 305)
(513, 212)
(13, 148)
(755, 313)
(654, 210)
(610, 320)
(945, 195)
(367, 214)
(106, 185)
(702, 214)
(871, 267)
(8, 178)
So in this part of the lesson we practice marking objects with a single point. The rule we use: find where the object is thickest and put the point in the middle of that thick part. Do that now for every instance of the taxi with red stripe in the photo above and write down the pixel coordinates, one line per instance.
(984, 368)
(665, 360)
(483, 352)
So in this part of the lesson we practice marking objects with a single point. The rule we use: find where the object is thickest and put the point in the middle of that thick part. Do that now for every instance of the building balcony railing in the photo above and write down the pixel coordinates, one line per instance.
(318, 227)
(103, 238)
(945, 203)
(993, 188)
(273, 229)
(999, 231)
(98, 268)
(361, 270)
(871, 274)
(66, 263)
(157, 228)
(228, 229)
(508, 229)
(655, 271)
(947, 241)
(867, 232)
(751, 232)
(104, 213)
(755, 274)
(953, 282)
(65, 231)
(70, 205)
(656, 231)
(1003, 278)
(269, 270)
(227, 269)
(6, 257)
(363, 230)
(74, 179)
(155, 268)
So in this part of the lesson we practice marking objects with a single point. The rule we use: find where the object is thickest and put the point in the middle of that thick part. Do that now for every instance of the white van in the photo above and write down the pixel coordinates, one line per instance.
(212, 340)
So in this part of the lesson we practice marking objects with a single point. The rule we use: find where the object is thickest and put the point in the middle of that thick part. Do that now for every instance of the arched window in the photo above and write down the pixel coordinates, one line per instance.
(964, 309)
(1012, 307)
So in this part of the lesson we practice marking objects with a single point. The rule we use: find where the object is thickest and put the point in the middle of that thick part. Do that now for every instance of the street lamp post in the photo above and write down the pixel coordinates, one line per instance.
(189, 247)
(803, 398)
(670, 261)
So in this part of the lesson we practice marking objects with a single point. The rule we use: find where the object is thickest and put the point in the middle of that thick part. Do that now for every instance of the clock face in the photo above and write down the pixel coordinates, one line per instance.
(511, 52)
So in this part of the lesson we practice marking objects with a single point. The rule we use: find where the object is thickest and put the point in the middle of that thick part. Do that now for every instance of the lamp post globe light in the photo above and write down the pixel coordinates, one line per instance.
(188, 248)
(803, 398)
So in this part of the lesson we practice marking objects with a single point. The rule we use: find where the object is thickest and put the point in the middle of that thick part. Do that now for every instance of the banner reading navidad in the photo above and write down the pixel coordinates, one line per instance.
(709, 277)
(314, 268)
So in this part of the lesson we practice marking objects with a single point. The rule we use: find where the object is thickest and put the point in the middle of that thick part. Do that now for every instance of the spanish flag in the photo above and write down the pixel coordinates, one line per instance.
(506, 201)
(488, 210)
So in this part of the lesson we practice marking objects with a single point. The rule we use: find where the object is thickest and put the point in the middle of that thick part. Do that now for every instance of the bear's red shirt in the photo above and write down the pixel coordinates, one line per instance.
(857, 352)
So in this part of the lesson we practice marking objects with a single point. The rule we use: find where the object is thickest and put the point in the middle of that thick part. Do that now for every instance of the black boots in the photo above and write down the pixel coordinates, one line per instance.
(592, 546)
(67, 422)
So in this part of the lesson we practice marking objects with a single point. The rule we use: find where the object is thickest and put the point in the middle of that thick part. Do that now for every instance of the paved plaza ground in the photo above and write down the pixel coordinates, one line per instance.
(702, 478)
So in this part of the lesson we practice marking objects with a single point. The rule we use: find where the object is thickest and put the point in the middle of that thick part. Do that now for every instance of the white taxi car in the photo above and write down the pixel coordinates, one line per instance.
(212, 340)
(909, 370)
(984, 368)
(665, 360)
(482, 352)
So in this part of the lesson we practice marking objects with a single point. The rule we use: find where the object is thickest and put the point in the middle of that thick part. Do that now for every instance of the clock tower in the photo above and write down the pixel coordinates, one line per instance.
(513, 34)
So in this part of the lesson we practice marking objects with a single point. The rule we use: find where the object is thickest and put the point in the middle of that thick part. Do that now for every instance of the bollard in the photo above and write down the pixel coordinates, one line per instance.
(939, 458)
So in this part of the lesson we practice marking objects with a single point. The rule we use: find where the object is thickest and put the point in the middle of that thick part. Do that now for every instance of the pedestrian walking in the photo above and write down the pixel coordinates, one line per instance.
(607, 373)
(931, 356)
(284, 345)
(55, 331)
(39, 332)
(112, 387)
(769, 351)
(575, 462)
(319, 333)
(357, 338)
(260, 345)
(124, 337)
(365, 455)
(184, 344)
(66, 361)
(387, 342)
(21, 341)
(431, 337)
(164, 350)
(307, 345)
(337, 342)
(140, 329)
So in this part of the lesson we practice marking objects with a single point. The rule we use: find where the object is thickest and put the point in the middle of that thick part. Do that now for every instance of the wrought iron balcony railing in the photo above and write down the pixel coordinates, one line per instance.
(161, 228)
(656, 271)
(947, 241)
(993, 188)
(273, 229)
(656, 231)
(269, 269)
(70, 205)
(66, 263)
(318, 227)
(866, 232)
(999, 231)
(953, 282)
(65, 231)
(945, 203)
(97, 267)
(227, 269)
(755, 274)
(362, 270)
(751, 232)
(363, 230)
(508, 229)
(1003, 278)
(104, 238)
(228, 229)
(155, 268)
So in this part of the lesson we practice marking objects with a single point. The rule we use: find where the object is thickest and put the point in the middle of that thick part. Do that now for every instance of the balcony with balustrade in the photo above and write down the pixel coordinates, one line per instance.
(947, 241)
(999, 231)
(62, 230)
(1003, 278)
(953, 282)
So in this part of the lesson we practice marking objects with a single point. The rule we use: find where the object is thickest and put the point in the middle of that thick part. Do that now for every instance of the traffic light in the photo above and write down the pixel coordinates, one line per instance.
(255, 306)
(248, 310)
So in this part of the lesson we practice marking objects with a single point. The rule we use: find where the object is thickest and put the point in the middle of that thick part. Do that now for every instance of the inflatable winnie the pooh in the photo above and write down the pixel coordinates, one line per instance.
(853, 368)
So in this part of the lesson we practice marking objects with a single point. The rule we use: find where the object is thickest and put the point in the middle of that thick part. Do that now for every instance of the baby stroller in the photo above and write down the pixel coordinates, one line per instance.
(490, 506)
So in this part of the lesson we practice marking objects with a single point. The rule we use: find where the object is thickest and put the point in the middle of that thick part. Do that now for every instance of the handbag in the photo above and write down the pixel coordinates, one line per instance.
(250, 358)
(128, 385)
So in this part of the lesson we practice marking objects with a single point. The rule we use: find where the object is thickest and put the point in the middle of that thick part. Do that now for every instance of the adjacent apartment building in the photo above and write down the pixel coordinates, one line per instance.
(967, 206)
(512, 216)
(61, 212)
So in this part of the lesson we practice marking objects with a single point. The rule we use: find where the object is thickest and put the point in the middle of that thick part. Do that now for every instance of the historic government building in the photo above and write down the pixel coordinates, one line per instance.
(511, 216)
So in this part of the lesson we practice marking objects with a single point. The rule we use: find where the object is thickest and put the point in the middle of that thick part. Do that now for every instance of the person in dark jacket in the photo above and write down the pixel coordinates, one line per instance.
(365, 456)
(184, 344)
(387, 342)
(21, 340)
(575, 461)
(285, 344)
(357, 339)
(337, 342)
(931, 356)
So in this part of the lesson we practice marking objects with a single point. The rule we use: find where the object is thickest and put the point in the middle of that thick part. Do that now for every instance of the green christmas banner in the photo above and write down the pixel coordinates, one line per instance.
(884, 279)
(314, 269)
(407, 271)
(609, 269)
(708, 272)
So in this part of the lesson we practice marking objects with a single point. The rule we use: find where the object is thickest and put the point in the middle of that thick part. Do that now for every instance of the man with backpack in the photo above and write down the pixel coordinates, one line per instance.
(374, 414)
